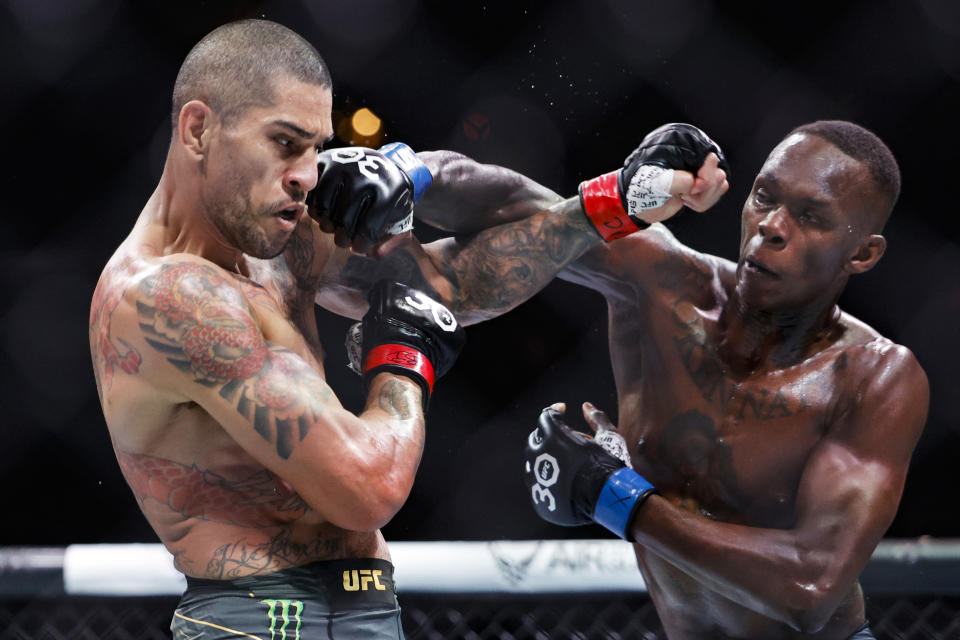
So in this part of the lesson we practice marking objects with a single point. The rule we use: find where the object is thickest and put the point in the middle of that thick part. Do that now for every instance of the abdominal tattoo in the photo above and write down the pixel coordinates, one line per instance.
(243, 557)
(203, 325)
(252, 501)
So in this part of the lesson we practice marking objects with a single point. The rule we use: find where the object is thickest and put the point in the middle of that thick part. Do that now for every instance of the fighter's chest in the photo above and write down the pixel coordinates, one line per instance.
(742, 458)
(732, 446)
(285, 322)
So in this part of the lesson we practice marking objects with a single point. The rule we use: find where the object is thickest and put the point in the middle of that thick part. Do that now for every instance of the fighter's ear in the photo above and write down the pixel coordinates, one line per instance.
(194, 126)
(867, 254)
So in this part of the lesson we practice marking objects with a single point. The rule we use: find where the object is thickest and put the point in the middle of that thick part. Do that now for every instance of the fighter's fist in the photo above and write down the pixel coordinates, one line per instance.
(408, 333)
(405, 158)
(675, 164)
(362, 197)
(574, 480)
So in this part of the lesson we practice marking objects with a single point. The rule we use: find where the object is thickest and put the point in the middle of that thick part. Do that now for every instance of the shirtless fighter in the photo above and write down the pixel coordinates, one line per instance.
(769, 432)
(268, 493)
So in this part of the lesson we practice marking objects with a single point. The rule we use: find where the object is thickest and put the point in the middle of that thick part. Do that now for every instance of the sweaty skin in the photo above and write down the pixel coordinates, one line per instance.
(209, 367)
(208, 363)
(777, 428)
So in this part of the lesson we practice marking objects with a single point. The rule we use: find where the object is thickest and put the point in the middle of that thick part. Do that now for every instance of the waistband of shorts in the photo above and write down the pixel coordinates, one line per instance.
(344, 583)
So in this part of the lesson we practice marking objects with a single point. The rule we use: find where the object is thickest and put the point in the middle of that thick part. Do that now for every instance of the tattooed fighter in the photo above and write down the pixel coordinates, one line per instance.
(209, 368)
(268, 493)
(769, 432)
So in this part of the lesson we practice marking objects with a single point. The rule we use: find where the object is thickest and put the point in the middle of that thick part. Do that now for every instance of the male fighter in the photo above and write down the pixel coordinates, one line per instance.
(769, 432)
(268, 493)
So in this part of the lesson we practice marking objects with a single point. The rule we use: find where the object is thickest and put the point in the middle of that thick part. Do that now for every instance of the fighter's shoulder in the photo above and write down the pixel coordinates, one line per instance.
(179, 284)
(876, 362)
(884, 392)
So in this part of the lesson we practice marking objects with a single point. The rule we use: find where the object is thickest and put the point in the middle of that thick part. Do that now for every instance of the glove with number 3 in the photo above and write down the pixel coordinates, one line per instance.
(574, 480)
(405, 332)
(362, 197)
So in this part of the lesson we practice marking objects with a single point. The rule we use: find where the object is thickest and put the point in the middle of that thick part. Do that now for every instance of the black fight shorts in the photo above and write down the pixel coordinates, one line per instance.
(340, 599)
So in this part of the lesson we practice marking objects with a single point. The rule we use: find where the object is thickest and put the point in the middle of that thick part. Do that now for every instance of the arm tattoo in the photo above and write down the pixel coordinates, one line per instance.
(682, 273)
(109, 355)
(504, 266)
(492, 271)
(203, 325)
(398, 400)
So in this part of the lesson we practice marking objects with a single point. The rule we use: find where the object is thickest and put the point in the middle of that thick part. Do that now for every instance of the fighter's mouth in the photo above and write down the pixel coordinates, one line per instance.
(758, 267)
(290, 213)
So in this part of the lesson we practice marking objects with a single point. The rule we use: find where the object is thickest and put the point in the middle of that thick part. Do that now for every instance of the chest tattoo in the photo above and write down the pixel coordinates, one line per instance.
(709, 375)
(701, 460)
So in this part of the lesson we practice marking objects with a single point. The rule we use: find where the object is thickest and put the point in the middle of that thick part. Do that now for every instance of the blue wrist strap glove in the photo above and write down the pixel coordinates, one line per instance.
(404, 157)
(573, 480)
(622, 494)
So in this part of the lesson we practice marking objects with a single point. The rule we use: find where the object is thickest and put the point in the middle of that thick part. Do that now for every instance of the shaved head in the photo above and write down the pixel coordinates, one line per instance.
(233, 67)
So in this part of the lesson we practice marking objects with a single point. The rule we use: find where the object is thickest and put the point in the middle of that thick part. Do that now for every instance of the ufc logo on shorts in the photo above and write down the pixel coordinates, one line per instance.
(368, 165)
(360, 580)
(441, 315)
(284, 612)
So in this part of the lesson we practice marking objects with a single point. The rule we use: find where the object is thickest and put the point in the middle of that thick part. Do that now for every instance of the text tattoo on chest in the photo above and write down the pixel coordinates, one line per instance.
(710, 377)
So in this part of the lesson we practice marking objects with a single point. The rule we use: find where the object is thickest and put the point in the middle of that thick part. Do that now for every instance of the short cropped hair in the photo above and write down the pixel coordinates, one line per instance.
(865, 147)
(232, 67)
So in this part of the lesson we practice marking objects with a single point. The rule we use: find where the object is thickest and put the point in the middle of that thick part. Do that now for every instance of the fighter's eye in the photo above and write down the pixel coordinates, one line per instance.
(283, 141)
(761, 197)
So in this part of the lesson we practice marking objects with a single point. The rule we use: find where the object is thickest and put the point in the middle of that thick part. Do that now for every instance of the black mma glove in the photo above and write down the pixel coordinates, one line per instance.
(614, 201)
(573, 480)
(410, 164)
(362, 194)
(405, 332)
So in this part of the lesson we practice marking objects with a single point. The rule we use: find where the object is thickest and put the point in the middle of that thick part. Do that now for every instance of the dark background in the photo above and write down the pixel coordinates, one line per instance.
(561, 91)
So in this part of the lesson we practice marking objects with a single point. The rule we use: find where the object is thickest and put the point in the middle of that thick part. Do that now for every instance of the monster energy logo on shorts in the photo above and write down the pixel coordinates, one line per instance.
(285, 608)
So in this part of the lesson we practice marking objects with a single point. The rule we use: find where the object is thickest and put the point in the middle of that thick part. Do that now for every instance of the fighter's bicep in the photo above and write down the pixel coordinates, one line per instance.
(202, 341)
(845, 493)
(852, 483)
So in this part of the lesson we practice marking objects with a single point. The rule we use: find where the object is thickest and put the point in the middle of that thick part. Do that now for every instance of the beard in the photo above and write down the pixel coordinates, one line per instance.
(239, 221)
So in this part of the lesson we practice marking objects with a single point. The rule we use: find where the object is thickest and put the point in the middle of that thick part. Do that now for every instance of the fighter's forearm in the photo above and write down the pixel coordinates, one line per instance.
(467, 196)
(495, 270)
(477, 276)
(771, 571)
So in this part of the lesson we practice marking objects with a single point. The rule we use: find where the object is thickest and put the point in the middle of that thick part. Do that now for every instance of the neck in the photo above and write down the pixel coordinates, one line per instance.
(177, 222)
(753, 340)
